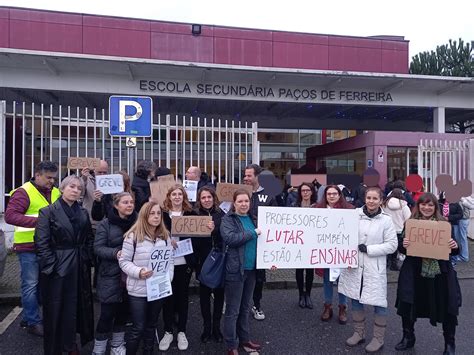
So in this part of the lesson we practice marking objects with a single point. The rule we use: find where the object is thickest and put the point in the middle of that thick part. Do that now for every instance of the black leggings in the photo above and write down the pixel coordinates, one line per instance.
(113, 317)
(309, 280)
(178, 301)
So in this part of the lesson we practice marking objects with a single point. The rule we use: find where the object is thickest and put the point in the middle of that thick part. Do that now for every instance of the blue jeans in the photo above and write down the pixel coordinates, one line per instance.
(328, 290)
(357, 306)
(461, 238)
(238, 297)
(29, 287)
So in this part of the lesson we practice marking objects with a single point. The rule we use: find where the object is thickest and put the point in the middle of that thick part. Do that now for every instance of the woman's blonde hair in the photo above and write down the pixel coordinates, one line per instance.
(167, 204)
(142, 229)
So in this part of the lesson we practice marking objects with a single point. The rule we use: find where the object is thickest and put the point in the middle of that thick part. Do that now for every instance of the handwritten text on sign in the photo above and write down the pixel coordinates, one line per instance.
(109, 184)
(191, 226)
(81, 163)
(428, 239)
(307, 238)
(225, 191)
(159, 284)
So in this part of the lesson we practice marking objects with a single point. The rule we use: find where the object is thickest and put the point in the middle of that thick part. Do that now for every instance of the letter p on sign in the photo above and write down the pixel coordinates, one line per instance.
(130, 116)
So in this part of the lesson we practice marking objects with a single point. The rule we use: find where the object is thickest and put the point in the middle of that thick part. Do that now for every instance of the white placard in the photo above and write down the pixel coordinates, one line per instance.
(191, 188)
(293, 237)
(334, 274)
(159, 284)
(185, 247)
(226, 206)
(109, 184)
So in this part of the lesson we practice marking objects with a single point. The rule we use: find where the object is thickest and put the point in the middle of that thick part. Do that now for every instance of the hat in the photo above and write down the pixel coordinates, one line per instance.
(162, 171)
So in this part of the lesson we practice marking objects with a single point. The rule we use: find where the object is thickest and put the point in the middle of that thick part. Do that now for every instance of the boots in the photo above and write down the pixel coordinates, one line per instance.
(117, 345)
(302, 302)
(380, 325)
(358, 318)
(307, 300)
(408, 340)
(100, 346)
(327, 312)
(342, 314)
(449, 343)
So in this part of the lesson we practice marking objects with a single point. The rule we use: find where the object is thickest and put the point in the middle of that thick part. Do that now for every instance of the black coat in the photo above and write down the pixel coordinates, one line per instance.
(141, 189)
(203, 246)
(65, 260)
(101, 209)
(108, 242)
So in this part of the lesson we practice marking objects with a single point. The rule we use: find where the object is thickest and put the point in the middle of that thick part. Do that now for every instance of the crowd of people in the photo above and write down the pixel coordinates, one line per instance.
(61, 233)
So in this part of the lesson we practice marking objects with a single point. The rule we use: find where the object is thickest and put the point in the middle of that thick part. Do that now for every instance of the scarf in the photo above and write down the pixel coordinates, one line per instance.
(446, 209)
(73, 212)
(430, 267)
(123, 223)
(369, 214)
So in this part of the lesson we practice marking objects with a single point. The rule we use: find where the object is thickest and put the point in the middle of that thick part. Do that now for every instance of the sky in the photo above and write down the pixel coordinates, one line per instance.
(424, 23)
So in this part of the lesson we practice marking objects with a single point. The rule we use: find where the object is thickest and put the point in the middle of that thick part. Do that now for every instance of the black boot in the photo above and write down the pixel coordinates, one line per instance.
(302, 302)
(449, 349)
(307, 300)
(408, 340)
(206, 334)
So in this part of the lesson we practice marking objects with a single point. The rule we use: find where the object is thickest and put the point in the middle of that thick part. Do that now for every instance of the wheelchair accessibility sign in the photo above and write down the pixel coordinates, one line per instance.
(130, 116)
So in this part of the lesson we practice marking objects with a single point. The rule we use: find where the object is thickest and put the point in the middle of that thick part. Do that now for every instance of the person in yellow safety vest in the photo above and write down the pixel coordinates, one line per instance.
(22, 212)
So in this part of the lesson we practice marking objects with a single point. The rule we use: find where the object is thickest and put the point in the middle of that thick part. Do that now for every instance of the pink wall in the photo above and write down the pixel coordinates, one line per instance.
(77, 33)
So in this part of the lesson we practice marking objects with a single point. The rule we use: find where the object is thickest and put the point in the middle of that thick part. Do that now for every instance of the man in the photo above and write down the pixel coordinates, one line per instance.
(22, 212)
(194, 174)
(259, 198)
(90, 191)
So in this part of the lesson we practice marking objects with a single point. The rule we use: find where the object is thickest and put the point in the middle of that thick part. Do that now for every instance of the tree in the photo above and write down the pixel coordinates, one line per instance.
(452, 59)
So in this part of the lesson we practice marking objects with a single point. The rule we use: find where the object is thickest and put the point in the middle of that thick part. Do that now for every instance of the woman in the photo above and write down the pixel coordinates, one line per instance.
(111, 290)
(333, 198)
(63, 241)
(141, 182)
(207, 204)
(397, 208)
(428, 288)
(239, 233)
(305, 198)
(453, 213)
(148, 233)
(177, 204)
(367, 284)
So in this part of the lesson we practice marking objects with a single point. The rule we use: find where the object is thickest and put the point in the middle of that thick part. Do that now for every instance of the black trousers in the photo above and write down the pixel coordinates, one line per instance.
(308, 284)
(178, 301)
(257, 292)
(144, 316)
(113, 317)
(205, 301)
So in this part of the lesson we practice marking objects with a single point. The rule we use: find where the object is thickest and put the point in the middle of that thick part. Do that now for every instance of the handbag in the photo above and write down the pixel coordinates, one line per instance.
(213, 269)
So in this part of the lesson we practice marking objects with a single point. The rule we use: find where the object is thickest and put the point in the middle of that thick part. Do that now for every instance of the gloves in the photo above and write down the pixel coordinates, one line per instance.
(362, 248)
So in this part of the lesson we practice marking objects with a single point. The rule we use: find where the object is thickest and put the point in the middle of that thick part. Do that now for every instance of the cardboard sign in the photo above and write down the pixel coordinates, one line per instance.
(81, 163)
(225, 191)
(109, 184)
(298, 179)
(428, 239)
(191, 188)
(294, 237)
(190, 226)
(160, 187)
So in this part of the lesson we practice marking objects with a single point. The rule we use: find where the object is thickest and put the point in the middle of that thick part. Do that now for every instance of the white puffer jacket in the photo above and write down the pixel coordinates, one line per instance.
(399, 211)
(131, 263)
(368, 282)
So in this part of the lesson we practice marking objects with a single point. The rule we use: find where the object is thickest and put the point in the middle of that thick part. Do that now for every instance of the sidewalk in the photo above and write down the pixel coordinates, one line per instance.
(278, 279)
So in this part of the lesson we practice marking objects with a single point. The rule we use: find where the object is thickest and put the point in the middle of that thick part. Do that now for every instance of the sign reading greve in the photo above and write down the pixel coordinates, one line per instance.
(159, 188)
(225, 191)
(159, 284)
(109, 184)
(190, 226)
(81, 163)
(294, 237)
(428, 239)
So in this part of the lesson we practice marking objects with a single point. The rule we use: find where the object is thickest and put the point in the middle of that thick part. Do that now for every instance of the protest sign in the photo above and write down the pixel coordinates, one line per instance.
(81, 163)
(159, 188)
(191, 188)
(293, 237)
(184, 247)
(190, 226)
(225, 191)
(428, 239)
(298, 179)
(159, 284)
(109, 184)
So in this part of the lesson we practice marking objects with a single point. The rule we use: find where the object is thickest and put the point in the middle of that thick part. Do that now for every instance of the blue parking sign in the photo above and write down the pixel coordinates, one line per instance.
(130, 116)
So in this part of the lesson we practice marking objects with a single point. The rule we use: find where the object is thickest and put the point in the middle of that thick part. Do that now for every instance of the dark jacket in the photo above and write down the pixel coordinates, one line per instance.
(234, 237)
(190, 258)
(260, 198)
(65, 260)
(203, 246)
(108, 242)
(141, 189)
(101, 208)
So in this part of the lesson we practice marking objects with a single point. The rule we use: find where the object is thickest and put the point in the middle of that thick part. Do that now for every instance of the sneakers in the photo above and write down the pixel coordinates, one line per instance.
(258, 313)
(166, 341)
(182, 341)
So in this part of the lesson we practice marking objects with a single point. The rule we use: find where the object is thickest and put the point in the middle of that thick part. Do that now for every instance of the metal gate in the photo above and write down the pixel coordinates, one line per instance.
(451, 157)
(30, 133)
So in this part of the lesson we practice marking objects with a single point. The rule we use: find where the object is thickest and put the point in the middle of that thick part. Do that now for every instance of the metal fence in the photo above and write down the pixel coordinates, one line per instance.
(31, 133)
(436, 157)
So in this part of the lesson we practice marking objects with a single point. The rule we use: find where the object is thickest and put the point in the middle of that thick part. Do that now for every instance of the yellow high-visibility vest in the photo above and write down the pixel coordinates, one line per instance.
(37, 202)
